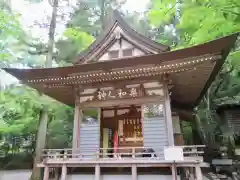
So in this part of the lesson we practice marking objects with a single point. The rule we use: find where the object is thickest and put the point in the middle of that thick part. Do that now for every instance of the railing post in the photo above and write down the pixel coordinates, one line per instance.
(98, 154)
(134, 172)
(97, 172)
(133, 152)
(46, 173)
(64, 172)
(65, 154)
(198, 172)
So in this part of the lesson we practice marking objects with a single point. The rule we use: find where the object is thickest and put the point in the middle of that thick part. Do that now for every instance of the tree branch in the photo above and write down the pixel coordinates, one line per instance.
(234, 2)
(228, 11)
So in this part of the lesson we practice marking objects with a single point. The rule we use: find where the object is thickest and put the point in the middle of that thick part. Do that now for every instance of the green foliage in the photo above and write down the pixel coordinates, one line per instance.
(19, 111)
(76, 42)
(87, 22)
(187, 132)
(206, 20)
(90, 15)
(162, 12)
(80, 37)
(9, 32)
(201, 21)
(60, 128)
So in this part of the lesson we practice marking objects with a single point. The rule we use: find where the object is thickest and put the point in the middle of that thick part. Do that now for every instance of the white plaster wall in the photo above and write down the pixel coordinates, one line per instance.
(126, 45)
(115, 46)
(137, 52)
(104, 57)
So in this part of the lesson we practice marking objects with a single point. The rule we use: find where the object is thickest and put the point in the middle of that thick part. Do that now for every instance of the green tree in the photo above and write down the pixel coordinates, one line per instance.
(43, 114)
(73, 42)
(86, 23)
(201, 21)
(20, 106)
(10, 31)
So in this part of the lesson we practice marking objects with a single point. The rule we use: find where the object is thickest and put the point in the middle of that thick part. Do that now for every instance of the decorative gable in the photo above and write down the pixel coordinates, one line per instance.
(124, 47)
(119, 41)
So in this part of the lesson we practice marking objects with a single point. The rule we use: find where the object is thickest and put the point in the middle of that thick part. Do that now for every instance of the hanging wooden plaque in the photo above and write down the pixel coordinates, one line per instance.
(118, 94)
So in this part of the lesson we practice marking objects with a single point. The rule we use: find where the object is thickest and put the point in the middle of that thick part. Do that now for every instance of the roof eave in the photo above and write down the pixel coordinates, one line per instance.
(231, 42)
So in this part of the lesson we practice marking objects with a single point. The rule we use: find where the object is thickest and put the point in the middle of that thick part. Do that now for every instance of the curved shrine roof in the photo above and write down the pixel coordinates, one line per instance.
(191, 71)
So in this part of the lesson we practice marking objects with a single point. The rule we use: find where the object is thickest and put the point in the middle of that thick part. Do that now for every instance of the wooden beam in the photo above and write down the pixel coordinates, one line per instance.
(77, 120)
(99, 118)
(122, 82)
(116, 102)
(119, 108)
(168, 115)
(76, 130)
(153, 88)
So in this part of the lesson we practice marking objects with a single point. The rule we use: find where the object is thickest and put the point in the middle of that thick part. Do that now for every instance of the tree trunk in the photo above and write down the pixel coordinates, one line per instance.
(43, 116)
(40, 143)
(198, 126)
(102, 14)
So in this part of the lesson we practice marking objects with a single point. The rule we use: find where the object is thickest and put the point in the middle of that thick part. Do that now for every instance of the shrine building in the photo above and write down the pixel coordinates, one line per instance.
(130, 94)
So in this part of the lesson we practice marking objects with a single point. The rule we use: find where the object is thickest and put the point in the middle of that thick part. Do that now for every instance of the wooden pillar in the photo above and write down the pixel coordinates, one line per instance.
(46, 173)
(76, 127)
(198, 173)
(168, 115)
(97, 172)
(64, 172)
(174, 172)
(134, 172)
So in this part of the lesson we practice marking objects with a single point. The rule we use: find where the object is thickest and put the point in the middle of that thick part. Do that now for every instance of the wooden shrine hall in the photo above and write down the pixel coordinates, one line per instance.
(130, 94)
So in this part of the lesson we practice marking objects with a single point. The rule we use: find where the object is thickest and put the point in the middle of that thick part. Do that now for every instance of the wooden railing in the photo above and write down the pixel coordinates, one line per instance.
(190, 153)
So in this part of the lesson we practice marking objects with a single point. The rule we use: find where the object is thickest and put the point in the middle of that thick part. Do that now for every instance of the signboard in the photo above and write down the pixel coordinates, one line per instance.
(173, 154)
(118, 94)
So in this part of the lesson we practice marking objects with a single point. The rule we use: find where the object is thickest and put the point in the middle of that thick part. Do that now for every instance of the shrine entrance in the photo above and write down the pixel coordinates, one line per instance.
(121, 129)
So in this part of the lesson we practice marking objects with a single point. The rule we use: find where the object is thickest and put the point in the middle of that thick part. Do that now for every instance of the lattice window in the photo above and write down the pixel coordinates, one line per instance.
(113, 54)
(127, 52)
